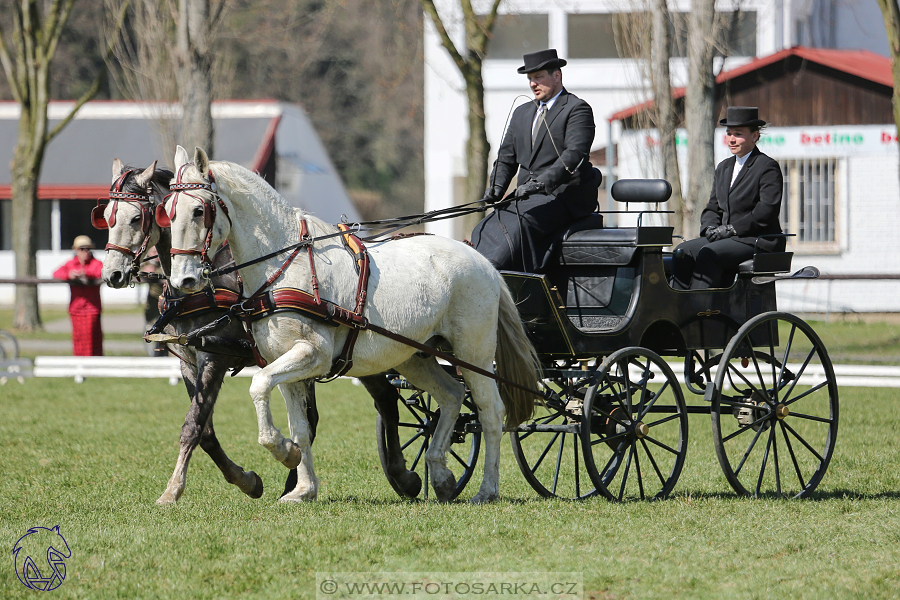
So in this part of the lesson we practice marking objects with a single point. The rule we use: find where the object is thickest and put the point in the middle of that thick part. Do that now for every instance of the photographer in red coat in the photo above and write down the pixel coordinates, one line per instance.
(84, 274)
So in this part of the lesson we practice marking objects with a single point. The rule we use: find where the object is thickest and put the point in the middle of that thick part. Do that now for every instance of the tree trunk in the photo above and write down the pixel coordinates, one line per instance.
(891, 13)
(25, 170)
(698, 110)
(665, 110)
(195, 75)
(477, 147)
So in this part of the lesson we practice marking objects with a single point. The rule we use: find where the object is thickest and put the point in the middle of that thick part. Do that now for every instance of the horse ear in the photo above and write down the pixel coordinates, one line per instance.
(144, 178)
(201, 161)
(118, 167)
(181, 157)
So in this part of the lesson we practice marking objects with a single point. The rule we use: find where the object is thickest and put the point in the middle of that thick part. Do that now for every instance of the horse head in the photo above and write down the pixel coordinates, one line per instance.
(128, 215)
(191, 211)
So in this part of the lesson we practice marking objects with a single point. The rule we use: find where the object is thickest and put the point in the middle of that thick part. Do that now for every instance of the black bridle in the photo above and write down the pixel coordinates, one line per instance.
(116, 195)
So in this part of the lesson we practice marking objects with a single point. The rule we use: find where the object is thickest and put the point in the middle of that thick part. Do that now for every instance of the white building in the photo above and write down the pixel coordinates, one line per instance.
(581, 31)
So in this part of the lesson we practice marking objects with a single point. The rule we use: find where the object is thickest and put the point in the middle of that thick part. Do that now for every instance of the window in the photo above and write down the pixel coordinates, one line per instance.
(5, 224)
(627, 35)
(75, 220)
(517, 35)
(809, 203)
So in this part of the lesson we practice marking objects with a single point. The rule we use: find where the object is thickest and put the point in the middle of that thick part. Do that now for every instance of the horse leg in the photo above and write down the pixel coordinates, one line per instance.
(428, 375)
(246, 481)
(386, 398)
(312, 415)
(491, 413)
(175, 486)
(295, 399)
(301, 360)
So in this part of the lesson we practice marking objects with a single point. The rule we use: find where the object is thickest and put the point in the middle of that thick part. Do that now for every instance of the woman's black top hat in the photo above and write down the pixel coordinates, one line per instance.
(742, 116)
(544, 59)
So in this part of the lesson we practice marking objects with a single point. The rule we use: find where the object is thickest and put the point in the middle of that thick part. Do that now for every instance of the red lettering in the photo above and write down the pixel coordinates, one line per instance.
(804, 139)
(887, 138)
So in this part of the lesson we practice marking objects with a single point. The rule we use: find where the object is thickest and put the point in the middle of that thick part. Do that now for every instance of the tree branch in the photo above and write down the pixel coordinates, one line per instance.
(101, 77)
(446, 42)
(6, 60)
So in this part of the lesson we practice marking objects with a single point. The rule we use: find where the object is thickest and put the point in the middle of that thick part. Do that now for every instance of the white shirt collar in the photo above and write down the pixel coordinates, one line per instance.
(552, 100)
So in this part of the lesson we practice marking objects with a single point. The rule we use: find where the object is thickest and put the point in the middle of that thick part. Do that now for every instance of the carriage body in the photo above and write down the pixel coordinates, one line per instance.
(602, 319)
(611, 291)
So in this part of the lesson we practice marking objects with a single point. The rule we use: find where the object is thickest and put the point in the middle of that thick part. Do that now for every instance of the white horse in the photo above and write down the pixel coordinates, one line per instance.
(427, 288)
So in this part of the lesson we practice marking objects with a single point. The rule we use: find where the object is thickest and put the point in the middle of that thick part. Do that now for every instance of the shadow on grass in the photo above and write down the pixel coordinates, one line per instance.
(838, 494)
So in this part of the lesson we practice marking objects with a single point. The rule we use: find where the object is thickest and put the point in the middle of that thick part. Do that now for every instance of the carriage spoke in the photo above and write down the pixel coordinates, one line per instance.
(661, 445)
(749, 449)
(799, 374)
(811, 390)
(627, 470)
(577, 472)
(411, 440)
(664, 420)
(787, 441)
(811, 417)
(544, 453)
(656, 396)
(659, 474)
(802, 441)
(762, 470)
(559, 456)
(459, 459)
(547, 420)
(775, 461)
(637, 471)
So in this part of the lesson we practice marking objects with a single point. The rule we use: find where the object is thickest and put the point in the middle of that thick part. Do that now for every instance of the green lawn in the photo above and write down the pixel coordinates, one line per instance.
(94, 457)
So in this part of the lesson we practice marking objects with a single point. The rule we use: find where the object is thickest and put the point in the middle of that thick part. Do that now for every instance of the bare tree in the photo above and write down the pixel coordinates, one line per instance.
(167, 58)
(478, 30)
(699, 104)
(891, 13)
(666, 121)
(27, 48)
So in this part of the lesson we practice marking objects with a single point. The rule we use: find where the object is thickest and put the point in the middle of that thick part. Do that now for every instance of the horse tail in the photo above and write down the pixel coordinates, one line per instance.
(516, 361)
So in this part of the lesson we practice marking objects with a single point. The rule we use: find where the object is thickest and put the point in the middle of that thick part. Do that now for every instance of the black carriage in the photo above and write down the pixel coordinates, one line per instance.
(608, 327)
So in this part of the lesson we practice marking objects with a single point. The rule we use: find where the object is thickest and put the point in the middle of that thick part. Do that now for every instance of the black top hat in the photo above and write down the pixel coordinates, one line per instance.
(742, 116)
(544, 59)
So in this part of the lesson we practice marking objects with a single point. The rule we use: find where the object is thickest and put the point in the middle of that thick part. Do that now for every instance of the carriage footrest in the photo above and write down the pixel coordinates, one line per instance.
(596, 323)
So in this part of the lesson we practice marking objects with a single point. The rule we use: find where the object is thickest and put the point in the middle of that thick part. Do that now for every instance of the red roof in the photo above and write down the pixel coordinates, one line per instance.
(861, 63)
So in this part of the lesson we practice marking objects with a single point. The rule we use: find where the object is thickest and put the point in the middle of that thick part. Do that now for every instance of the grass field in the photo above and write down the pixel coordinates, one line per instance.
(94, 457)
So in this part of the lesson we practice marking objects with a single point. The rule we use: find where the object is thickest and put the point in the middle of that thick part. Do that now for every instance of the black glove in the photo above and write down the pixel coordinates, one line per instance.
(492, 195)
(721, 232)
(528, 188)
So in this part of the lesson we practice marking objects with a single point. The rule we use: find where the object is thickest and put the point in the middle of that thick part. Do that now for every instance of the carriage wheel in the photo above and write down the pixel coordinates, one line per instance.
(775, 407)
(419, 415)
(547, 449)
(9, 346)
(635, 440)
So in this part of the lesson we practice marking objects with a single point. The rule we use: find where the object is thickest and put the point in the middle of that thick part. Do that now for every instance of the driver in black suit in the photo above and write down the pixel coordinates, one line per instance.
(556, 182)
(745, 203)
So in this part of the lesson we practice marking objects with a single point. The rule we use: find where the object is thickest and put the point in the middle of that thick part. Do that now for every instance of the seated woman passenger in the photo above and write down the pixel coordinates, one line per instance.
(744, 203)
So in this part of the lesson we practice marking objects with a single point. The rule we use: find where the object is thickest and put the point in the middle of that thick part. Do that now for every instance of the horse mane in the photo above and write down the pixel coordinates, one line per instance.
(160, 181)
(245, 181)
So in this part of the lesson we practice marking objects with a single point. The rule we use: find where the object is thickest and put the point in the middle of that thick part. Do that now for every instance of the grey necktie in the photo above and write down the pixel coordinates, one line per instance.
(537, 121)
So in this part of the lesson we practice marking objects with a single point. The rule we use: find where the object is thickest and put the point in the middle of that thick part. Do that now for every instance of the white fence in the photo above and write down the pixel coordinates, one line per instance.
(79, 368)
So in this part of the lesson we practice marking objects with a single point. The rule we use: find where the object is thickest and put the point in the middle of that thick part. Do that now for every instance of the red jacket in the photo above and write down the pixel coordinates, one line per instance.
(85, 298)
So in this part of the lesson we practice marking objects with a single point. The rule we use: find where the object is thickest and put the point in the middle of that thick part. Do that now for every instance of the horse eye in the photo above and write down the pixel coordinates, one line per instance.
(136, 219)
(198, 211)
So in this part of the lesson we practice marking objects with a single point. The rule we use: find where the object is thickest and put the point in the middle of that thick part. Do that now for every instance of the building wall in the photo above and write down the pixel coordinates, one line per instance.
(608, 85)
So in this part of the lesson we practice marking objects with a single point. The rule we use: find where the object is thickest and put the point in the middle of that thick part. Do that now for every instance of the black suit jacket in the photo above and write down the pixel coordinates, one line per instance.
(558, 158)
(752, 205)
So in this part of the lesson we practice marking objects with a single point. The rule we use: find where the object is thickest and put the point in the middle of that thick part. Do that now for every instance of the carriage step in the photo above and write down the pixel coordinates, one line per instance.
(596, 323)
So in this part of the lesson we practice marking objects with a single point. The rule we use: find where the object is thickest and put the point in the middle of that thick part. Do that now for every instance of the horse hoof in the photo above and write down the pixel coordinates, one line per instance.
(480, 498)
(167, 499)
(294, 456)
(410, 484)
(445, 490)
(307, 496)
(257, 490)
